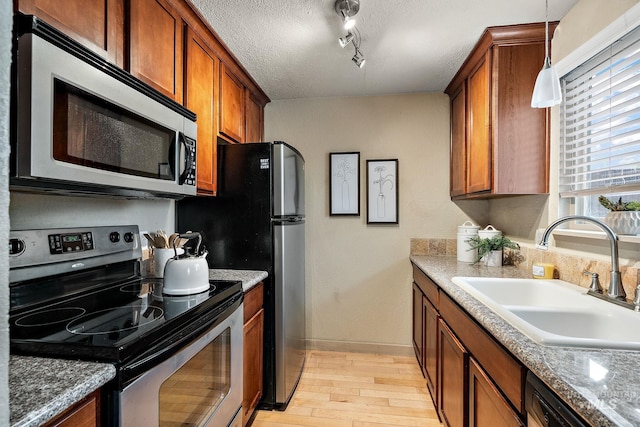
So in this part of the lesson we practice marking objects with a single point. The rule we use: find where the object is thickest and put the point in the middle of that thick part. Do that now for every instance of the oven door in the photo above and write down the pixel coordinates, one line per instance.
(201, 385)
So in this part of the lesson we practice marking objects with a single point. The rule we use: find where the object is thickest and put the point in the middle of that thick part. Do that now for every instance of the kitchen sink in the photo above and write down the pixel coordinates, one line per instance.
(554, 312)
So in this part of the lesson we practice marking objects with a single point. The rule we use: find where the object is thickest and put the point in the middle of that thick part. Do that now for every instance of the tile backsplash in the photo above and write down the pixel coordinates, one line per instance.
(569, 268)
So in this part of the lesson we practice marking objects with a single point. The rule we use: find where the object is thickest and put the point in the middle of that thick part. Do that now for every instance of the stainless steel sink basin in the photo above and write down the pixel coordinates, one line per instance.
(554, 312)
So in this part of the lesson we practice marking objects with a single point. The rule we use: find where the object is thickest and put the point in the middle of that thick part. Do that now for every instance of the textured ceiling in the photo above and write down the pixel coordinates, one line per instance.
(290, 47)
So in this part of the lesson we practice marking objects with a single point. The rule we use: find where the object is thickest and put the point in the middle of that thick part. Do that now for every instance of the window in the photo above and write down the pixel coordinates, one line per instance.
(600, 129)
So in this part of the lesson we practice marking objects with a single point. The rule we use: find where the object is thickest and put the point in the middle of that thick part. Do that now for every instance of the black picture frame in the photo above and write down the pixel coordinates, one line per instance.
(344, 184)
(382, 191)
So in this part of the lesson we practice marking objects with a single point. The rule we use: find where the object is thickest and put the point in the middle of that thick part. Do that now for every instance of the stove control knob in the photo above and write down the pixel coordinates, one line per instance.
(128, 237)
(16, 246)
(114, 237)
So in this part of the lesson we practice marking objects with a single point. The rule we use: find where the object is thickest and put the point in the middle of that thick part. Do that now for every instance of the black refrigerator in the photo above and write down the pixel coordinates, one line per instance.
(257, 222)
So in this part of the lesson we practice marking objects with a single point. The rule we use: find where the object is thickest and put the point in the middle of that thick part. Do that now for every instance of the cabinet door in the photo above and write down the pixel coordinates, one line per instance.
(254, 119)
(487, 406)
(156, 46)
(458, 171)
(521, 155)
(452, 378)
(252, 382)
(431, 348)
(231, 105)
(98, 25)
(201, 92)
(418, 326)
(479, 142)
(85, 413)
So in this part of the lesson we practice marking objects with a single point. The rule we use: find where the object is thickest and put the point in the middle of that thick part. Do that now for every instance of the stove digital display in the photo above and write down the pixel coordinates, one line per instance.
(76, 242)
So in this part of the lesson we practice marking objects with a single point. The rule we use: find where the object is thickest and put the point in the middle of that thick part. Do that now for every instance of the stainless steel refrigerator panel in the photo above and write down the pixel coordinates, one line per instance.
(288, 181)
(290, 332)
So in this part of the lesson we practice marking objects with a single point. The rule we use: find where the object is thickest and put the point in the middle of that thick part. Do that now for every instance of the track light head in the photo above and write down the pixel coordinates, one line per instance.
(358, 59)
(349, 23)
(344, 41)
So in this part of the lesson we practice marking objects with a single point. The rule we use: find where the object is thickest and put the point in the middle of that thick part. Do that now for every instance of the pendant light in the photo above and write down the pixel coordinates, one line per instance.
(546, 92)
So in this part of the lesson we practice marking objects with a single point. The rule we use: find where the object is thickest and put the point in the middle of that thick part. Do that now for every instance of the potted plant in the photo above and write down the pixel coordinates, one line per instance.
(624, 217)
(491, 249)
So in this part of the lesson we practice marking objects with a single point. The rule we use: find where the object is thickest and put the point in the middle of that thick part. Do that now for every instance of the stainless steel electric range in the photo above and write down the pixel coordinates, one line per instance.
(77, 293)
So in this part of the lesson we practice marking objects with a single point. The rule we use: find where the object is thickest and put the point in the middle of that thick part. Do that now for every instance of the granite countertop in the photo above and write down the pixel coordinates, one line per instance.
(249, 278)
(601, 385)
(41, 388)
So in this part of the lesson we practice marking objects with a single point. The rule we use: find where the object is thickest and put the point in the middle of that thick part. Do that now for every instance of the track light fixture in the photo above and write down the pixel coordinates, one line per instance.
(346, 10)
(344, 41)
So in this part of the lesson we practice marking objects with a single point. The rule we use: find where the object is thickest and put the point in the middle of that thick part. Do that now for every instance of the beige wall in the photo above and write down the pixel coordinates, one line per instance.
(359, 275)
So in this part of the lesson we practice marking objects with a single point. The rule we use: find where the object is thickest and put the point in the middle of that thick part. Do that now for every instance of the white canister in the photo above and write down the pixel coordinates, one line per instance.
(464, 251)
(489, 232)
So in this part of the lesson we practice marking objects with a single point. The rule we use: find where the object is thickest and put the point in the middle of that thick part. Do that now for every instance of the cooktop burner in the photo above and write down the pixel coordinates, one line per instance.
(49, 316)
(113, 323)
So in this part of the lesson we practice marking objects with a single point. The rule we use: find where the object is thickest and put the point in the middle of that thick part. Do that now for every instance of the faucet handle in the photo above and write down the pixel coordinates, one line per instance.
(636, 299)
(595, 284)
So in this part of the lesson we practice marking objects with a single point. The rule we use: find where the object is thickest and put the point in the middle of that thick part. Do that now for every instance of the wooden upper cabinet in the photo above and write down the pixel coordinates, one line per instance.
(98, 25)
(201, 94)
(458, 172)
(156, 46)
(479, 145)
(505, 142)
(254, 118)
(232, 98)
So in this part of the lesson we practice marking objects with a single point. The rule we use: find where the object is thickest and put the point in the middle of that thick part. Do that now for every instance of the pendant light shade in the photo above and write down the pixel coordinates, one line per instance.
(546, 92)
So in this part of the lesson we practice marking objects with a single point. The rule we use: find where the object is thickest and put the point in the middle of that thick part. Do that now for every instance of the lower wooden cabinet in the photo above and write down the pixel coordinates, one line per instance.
(431, 320)
(487, 406)
(85, 413)
(473, 380)
(452, 382)
(253, 344)
(418, 326)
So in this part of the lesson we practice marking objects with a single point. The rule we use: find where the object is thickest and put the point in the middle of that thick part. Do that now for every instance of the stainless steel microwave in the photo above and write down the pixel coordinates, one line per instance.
(84, 125)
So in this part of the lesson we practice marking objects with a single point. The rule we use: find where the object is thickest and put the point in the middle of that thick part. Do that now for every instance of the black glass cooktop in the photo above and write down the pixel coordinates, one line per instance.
(117, 322)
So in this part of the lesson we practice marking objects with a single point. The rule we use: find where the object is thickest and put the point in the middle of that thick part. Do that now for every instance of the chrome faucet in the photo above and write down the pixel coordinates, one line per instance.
(616, 290)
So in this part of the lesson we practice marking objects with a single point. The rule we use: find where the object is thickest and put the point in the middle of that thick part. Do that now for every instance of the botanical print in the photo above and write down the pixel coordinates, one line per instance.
(382, 191)
(381, 181)
(344, 183)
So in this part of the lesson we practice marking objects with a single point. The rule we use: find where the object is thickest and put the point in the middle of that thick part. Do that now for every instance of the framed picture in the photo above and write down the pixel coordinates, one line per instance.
(382, 191)
(344, 184)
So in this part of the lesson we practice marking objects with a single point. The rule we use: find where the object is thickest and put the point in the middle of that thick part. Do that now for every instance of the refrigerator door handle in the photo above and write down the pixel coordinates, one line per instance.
(288, 219)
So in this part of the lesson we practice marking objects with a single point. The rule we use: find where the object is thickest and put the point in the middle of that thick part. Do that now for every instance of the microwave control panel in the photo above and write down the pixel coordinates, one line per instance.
(190, 170)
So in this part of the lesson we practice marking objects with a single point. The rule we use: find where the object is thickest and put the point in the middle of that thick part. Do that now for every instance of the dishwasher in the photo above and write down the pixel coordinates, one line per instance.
(545, 409)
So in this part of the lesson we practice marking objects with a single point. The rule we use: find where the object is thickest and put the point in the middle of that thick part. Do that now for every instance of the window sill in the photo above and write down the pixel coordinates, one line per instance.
(593, 235)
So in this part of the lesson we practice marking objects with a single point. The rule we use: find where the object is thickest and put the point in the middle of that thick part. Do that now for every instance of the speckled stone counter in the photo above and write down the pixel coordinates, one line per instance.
(249, 278)
(603, 386)
(41, 388)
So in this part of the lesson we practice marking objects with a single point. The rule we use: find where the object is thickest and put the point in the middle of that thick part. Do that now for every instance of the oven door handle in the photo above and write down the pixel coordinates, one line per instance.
(163, 351)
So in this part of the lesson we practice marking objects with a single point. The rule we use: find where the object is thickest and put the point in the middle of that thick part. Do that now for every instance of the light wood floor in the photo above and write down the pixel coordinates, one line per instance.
(356, 390)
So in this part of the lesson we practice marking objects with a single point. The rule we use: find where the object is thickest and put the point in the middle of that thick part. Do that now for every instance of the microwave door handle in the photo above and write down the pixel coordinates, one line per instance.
(187, 158)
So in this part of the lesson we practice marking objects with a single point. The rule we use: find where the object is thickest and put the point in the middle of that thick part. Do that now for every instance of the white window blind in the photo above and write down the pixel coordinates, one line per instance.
(600, 124)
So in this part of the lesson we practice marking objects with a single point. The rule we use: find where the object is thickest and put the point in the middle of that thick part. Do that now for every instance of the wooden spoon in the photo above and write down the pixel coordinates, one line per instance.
(150, 239)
